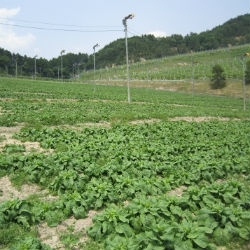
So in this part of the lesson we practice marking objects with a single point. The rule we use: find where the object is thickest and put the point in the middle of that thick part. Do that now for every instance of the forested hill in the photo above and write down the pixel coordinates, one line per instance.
(236, 31)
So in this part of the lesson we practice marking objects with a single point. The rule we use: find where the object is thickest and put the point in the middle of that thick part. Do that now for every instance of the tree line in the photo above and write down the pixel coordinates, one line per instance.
(236, 31)
(15, 64)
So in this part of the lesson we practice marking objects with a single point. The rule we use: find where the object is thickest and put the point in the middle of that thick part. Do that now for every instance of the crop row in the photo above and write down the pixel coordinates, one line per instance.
(139, 164)
(47, 103)
(194, 65)
(205, 216)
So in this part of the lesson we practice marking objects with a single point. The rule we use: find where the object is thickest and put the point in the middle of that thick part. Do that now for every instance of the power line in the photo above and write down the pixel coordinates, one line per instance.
(59, 24)
(59, 29)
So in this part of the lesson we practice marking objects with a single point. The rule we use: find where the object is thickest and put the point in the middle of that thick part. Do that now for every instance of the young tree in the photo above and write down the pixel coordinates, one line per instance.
(218, 80)
(247, 72)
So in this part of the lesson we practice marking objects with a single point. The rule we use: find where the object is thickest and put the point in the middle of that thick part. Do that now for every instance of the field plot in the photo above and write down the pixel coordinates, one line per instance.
(197, 66)
(80, 168)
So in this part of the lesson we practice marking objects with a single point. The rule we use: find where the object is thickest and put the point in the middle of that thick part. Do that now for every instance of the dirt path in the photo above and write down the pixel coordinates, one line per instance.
(200, 118)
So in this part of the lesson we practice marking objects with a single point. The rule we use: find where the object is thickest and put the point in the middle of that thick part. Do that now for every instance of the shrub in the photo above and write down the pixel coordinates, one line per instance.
(247, 72)
(218, 80)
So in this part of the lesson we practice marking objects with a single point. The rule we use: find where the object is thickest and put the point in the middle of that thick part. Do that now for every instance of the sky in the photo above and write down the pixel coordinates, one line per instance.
(44, 28)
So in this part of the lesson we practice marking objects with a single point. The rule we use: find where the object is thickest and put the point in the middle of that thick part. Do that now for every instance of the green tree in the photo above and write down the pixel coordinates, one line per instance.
(218, 80)
(247, 72)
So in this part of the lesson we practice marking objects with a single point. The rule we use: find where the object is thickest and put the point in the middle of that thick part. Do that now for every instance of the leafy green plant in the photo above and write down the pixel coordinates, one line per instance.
(18, 211)
(29, 242)
(218, 79)
(247, 72)
(171, 184)
(14, 148)
(2, 138)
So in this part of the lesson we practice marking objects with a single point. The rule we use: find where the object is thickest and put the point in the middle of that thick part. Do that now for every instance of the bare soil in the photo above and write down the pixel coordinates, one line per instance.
(48, 235)
(8, 132)
(8, 191)
(51, 235)
(199, 118)
(178, 191)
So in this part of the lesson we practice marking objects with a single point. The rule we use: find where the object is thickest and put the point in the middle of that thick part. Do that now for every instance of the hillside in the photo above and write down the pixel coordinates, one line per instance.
(234, 32)
(186, 66)
(189, 73)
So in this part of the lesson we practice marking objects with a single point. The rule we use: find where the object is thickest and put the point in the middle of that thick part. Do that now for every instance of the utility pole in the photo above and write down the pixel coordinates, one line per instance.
(94, 59)
(124, 21)
(63, 51)
(16, 67)
(35, 65)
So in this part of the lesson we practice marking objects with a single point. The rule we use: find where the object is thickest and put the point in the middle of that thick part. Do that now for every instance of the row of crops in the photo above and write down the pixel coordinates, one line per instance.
(154, 183)
(188, 66)
(53, 103)
(127, 171)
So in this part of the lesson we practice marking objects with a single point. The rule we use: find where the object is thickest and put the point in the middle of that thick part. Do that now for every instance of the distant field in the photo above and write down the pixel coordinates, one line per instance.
(196, 66)
(188, 73)
(58, 102)
(81, 168)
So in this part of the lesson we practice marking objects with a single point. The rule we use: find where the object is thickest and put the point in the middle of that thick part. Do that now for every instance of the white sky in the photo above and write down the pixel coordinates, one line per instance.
(30, 27)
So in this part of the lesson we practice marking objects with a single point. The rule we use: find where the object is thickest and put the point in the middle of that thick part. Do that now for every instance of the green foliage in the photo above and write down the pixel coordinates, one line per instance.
(140, 164)
(126, 171)
(108, 104)
(13, 148)
(176, 67)
(28, 243)
(176, 223)
(247, 72)
(218, 80)
(149, 47)
(18, 211)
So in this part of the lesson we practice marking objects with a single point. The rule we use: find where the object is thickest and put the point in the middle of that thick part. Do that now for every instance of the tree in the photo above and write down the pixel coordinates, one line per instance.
(218, 80)
(247, 72)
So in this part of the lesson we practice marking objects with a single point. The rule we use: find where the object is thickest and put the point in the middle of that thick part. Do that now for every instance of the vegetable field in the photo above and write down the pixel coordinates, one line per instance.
(168, 171)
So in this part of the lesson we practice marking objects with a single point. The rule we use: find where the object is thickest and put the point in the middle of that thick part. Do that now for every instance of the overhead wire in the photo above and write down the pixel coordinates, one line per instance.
(55, 24)
(78, 28)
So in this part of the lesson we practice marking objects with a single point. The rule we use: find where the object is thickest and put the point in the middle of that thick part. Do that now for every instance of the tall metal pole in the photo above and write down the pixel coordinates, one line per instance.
(192, 63)
(16, 67)
(124, 21)
(63, 51)
(35, 65)
(94, 58)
